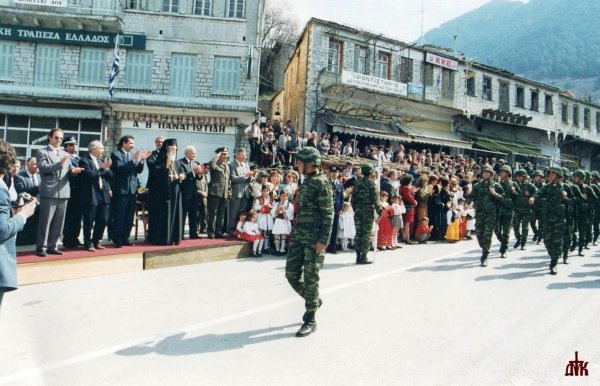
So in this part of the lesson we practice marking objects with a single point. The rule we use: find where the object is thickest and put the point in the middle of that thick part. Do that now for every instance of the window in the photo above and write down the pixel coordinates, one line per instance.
(138, 4)
(487, 88)
(470, 83)
(360, 60)
(597, 122)
(565, 112)
(203, 7)
(383, 65)
(236, 8)
(170, 6)
(138, 70)
(535, 101)
(586, 118)
(47, 66)
(406, 70)
(575, 115)
(548, 109)
(428, 69)
(92, 63)
(520, 97)
(226, 79)
(7, 54)
(447, 84)
(183, 75)
(335, 56)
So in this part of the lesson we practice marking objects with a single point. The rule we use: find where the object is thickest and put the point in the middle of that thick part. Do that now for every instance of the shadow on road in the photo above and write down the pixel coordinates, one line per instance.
(576, 285)
(585, 274)
(538, 265)
(176, 345)
(513, 275)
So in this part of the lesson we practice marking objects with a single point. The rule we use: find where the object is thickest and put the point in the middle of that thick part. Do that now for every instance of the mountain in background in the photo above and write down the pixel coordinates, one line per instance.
(553, 41)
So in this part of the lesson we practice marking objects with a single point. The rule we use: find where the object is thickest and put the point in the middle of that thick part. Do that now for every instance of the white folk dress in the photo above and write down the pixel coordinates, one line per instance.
(283, 222)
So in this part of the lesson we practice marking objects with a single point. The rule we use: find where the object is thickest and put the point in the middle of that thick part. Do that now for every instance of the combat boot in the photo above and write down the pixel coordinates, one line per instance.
(573, 245)
(539, 240)
(363, 259)
(308, 327)
(580, 252)
(307, 314)
(535, 236)
(484, 256)
(517, 244)
(358, 257)
(523, 245)
(565, 257)
(553, 266)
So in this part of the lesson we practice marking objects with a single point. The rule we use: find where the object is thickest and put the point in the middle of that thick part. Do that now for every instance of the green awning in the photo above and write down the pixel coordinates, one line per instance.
(504, 146)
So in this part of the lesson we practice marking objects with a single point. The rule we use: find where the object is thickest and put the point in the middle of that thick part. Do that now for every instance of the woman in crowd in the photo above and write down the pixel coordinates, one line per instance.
(384, 235)
(406, 192)
(422, 196)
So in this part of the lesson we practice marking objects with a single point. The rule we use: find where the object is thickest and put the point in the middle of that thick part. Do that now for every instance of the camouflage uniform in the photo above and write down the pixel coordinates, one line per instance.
(537, 211)
(523, 209)
(314, 219)
(596, 225)
(569, 215)
(582, 210)
(365, 202)
(486, 207)
(506, 210)
(553, 217)
(593, 198)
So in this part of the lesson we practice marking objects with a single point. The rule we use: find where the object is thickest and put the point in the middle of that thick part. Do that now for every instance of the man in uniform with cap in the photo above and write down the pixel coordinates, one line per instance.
(338, 202)
(552, 197)
(74, 214)
(506, 209)
(202, 198)
(538, 182)
(487, 195)
(314, 220)
(219, 192)
(365, 202)
(522, 208)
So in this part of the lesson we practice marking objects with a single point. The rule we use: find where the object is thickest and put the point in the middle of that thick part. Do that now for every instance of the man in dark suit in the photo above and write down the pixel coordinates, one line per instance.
(219, 192)
(152, 159)
(95, 195)
(55, 168)
(338, 202)
(28, 181)
(190, 205)
(125, 167)
(74, 213)
(240, 187)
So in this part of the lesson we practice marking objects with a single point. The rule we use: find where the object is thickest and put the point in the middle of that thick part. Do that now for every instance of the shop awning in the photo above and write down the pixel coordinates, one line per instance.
(505, 146)
(50, 112)
(392, 132)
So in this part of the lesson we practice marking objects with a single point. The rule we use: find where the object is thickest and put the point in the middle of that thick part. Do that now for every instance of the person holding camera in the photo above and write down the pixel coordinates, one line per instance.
(12, 220)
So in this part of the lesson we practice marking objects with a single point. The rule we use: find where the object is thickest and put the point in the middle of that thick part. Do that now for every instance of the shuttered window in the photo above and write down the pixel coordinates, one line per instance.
(203, 7)
(92, 64)
(226, 76)
(138, 70)
(183, 73)
(47, 66)
(7, 54)
(236, 8)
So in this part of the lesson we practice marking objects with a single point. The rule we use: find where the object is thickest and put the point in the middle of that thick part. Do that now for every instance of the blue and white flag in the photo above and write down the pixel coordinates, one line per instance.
(116, 66)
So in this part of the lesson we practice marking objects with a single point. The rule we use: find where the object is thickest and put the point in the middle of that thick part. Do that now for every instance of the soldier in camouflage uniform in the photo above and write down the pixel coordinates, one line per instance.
(538, 182)
(523, 209)
(365, 202)
(486, 195)
(506, 209)
(569, 213)
(582, 209)
(552, 198)
(314, 220)
(593, 198)
(596, 225)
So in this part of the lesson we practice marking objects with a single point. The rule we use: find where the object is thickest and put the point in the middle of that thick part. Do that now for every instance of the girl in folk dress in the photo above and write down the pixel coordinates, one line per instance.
(283, 213)
(251, 233)
(462, 218)
(384, 235)
(398, 209)
(470, 213)
(452, 232)
(346, 228)
(263, 206)
(239, 227)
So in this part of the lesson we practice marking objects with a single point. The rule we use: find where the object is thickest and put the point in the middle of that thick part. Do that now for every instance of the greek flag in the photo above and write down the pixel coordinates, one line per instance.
(116, 66)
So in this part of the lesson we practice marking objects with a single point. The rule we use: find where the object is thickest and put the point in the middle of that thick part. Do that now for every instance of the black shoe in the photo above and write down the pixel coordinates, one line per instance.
(128, 244)
(580, 252)
(517, 244)
(534, 237)
(332, 251)
(522, 247)
(484, 263)
(194, 237)
(307, 315)
(363, 260)
(41, 253)
(219, 236)
(553, 271)
(586, 247)
(358, 257)
(117, 245)
(503, 255)
(211, 236)
(539, 241)
(565, 260)
(573, 246)
(307, 329)
(55, 252)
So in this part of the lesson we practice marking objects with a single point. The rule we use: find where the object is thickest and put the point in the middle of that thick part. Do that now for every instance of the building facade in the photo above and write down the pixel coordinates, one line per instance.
(189, 69)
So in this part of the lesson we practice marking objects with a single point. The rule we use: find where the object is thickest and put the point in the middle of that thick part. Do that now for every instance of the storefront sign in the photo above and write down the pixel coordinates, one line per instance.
(441, 61)
(70, 37)
(45, 3)
(415, 89)
(373, 83)
(191, 126)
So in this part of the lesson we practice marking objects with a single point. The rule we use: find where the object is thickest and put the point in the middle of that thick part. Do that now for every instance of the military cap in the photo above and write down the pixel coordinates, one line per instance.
(507, 169)
(367, 169)
(487, 168)
(579, 173)
(566, 172)
(557, 170)
(70, 141)
(309, 155)
(222, 149)
(521, 172)
(595, 174)
(538, 173)
(587, 174)
(334, 168)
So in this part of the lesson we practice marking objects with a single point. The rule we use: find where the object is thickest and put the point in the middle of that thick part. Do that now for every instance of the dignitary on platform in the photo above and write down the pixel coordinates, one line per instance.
(28, 181)
(94, 199)
(165, 219)
(74, 212)
(55, 168)
(193, 172)
(219, 192)
(241, 175)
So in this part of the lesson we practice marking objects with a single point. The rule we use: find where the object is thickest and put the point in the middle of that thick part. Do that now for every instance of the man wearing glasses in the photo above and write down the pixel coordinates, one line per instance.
(55, 168)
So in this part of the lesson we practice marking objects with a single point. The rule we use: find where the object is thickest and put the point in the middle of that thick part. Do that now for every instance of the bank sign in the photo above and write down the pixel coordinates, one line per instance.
(196, 127)
(70, 37)
(373, 83)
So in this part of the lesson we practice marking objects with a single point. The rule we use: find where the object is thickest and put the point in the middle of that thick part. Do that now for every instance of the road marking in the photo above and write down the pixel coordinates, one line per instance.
(25, 374)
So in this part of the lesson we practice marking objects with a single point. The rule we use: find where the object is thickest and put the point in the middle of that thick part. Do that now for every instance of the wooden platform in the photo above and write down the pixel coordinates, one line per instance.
(79, 263)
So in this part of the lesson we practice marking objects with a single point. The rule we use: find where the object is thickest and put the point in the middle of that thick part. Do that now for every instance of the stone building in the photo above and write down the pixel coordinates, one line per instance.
(189, 69)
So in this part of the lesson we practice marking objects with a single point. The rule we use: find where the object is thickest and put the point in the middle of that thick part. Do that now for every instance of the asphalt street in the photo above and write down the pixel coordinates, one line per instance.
(422, 315)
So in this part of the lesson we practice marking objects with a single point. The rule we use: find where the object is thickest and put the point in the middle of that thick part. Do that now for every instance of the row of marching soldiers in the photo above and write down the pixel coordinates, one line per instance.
(563, 209)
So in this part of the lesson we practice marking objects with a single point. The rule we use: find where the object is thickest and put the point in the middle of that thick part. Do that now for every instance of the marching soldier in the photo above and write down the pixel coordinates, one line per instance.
(365, 202)
(506, 209)
(569, 215)
(582, 209)
(538, 182)
(314, 220)
(522, 208)
(596, 224)
(552, 197)
(593, 198)
(487, 196)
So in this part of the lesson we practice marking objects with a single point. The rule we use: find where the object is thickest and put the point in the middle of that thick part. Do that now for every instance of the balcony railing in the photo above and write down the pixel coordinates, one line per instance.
(80, 7)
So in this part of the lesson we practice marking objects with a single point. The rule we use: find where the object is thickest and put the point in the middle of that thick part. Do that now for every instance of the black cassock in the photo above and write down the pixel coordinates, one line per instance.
(164, 205)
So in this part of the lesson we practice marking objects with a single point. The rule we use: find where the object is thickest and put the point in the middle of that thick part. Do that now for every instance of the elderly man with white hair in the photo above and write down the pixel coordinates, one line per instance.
(190, 205)
(240, 175)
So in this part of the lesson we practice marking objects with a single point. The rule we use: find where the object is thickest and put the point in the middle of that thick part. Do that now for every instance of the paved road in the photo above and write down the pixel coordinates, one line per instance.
(421, 315)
